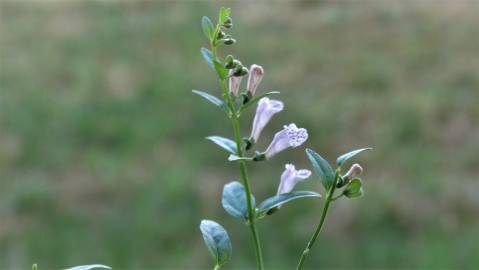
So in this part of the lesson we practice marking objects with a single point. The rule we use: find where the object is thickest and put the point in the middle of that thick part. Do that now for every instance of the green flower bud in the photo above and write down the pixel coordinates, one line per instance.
(240, 70)
(220, 35)
(229, 41)
(228, 23)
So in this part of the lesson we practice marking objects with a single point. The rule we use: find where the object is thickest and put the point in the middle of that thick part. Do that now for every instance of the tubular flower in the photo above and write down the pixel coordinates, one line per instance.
(290, 136)
(234, 83)
(256, 73)
(291, 177)
(265, 110)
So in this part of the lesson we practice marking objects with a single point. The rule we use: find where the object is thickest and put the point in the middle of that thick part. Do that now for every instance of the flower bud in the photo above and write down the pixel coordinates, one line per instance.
(233, 64)
(220, 35)
(240, 70)
(228, 22)
(229, 41)
(290, 136)
(264, 112)
(255, 77)
(290, 178)
(353, 172)
(234, 83)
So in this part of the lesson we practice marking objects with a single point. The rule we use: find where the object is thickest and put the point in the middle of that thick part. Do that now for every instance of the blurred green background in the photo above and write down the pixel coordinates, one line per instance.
(102, 150)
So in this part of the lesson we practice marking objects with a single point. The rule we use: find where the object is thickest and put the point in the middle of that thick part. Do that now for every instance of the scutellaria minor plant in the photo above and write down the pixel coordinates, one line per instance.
(237, 199)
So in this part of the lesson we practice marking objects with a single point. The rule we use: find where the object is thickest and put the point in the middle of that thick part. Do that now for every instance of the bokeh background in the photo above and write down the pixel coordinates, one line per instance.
(102, 150)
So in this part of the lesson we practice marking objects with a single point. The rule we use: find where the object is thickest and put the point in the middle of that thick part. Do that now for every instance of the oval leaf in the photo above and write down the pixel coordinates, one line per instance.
(256, 99)
(224, 143)
(234, 200)
(218, 102)
(340, 160)
(217, 241)
(279, 200)
(322, 168)
(89, 267)
(354, 188)
(208, 28)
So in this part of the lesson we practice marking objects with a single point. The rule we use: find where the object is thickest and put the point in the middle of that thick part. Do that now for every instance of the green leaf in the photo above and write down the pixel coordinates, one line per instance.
(217, 241)
(322, 168)
(218, 102)
(354, 188)
(224, 12)
(208, 28)
(234, 200)
(234, 157)
(208, 56)
(340, 160)
(221, 70)
(279, 200)
(256, 99)
(89, 267)
(224, 143)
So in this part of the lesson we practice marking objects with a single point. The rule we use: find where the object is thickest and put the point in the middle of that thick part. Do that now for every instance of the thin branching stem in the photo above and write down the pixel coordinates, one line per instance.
(329, 199)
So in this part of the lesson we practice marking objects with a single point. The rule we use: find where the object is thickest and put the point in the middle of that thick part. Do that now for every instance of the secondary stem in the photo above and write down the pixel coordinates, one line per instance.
(329, 199)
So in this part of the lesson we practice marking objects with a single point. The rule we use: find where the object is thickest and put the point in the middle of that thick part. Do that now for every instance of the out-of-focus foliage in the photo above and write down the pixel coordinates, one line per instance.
(102, 149)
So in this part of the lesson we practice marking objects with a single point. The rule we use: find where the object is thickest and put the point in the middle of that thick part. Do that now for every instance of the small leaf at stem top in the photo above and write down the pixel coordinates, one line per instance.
(322, 168)
(224, 13)
(208, 28)
(340, 160)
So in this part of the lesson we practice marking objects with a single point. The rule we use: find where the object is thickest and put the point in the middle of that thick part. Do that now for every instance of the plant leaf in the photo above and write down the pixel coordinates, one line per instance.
(220, 69)
(234, 200)
(89, 267)
(322, 168)
(225, 143)
(208, 28)
(340, 160)
(234, 157)
(224, 12)
(208, 56)
(279, 200)
(217, 241)
(354, 188)
(218, 102)
(256, 99)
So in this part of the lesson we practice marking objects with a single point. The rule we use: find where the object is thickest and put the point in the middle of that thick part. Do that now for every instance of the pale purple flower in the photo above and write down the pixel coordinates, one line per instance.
(256, 73)
(265, 110)
(354, 171)
(291, 177)
(234, 82)
(290, 136)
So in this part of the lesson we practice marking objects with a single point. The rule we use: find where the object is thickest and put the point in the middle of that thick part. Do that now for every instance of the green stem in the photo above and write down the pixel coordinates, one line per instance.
(329, 199)
(243, 169)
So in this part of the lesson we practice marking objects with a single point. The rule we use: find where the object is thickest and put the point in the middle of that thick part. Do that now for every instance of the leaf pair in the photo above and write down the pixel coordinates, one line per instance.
(322, 168)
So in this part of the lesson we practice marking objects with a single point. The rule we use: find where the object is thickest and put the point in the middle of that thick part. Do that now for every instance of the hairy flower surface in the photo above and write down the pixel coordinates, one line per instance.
(290, 136)
(265, 110)
(256, 73)
(291, 177)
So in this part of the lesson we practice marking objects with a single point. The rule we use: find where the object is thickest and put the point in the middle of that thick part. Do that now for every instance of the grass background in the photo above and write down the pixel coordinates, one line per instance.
(102, 150)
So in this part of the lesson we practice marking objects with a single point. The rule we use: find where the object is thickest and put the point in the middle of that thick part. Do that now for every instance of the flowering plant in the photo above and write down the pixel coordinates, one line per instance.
(237, 198)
